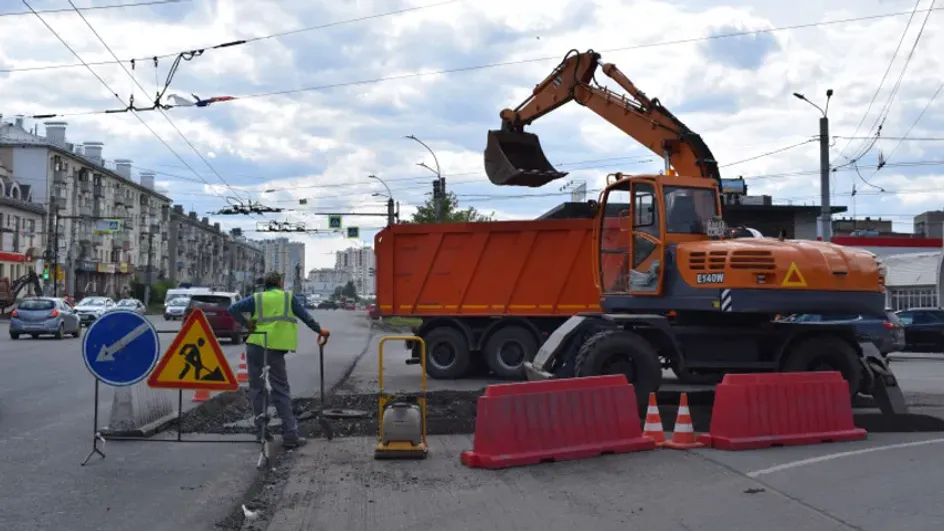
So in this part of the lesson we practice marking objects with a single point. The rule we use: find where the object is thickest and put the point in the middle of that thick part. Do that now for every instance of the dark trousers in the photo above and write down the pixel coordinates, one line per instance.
(281, 394)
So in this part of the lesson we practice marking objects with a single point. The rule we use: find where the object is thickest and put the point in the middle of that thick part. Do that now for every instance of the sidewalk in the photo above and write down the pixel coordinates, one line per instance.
(338, 485)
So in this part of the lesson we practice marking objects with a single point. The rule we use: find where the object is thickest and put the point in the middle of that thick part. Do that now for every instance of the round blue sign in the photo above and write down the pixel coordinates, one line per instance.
(121, 348)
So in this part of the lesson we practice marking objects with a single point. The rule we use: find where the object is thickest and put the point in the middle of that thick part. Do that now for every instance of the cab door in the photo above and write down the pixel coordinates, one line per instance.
(646, 248)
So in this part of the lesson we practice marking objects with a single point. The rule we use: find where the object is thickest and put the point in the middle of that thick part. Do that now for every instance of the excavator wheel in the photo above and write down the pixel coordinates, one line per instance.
(825, 353)
(622, 352)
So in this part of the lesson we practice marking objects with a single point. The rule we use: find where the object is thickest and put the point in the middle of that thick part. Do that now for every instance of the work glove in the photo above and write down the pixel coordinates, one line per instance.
(324, 333)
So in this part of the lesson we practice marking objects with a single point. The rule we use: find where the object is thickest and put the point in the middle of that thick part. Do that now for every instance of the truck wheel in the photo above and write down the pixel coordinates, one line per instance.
(825, 353)
(622, 352)
(447, 354)
(507, 350)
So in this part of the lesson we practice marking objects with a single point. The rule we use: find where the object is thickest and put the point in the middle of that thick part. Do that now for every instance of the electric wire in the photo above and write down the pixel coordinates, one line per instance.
(94, 8)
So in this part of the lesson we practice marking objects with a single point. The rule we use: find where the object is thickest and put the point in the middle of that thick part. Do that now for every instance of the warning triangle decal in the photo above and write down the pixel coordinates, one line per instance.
(794, 278)
(194, 360)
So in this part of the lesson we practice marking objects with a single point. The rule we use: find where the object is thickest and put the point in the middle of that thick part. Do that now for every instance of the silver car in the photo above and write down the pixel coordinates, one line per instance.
(91, 308)
(44, 316)
(131, 305)
(175, 308)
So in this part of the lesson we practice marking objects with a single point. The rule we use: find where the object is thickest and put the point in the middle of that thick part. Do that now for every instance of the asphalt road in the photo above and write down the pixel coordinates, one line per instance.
(46, 409)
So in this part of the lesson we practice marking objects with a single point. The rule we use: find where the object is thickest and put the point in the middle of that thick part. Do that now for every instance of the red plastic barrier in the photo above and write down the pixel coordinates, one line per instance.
(781, 409)
(555, 420)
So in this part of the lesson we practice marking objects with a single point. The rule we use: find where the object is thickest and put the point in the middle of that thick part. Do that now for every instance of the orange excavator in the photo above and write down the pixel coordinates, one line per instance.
(676, 288)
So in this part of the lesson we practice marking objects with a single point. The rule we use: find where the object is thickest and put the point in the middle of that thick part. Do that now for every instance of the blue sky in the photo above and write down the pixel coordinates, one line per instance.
(321, 144)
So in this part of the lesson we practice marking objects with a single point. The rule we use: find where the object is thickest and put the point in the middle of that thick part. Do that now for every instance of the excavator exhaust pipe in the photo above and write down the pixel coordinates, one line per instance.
(516, 159)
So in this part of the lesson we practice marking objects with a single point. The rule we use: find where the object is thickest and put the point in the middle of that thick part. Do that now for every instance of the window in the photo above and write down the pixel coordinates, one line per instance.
(688, 209)
(37, 305)
(210, 301)
(644, 207)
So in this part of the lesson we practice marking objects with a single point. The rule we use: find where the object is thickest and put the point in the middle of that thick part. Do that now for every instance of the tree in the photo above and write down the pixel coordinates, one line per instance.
(349, 290)
(337, 293)
(426, 213)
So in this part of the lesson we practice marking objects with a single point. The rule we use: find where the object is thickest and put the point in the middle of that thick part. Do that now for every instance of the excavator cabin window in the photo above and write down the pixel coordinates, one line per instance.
(630, 209)
(689, 210)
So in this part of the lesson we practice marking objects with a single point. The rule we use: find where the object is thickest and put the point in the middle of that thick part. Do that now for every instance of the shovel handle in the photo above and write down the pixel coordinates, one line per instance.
(322, 341)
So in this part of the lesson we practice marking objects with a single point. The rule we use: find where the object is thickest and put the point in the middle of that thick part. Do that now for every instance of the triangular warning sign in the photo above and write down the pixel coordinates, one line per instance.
(194, 360)
(794, 278)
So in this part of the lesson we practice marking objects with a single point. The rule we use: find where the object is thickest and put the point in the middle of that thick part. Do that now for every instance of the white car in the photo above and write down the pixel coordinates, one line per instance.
(133, 305)
(91, 308)
(175, 308)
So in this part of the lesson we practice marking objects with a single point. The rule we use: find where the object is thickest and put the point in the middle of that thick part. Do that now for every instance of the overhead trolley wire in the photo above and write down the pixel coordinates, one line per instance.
(94, 8)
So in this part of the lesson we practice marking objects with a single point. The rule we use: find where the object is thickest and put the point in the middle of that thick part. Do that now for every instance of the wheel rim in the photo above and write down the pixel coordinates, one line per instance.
(511, 354)
(442, 355)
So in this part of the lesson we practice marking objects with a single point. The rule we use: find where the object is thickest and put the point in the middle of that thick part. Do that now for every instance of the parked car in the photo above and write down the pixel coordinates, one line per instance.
(887, 334)
(215, 306)
(133, 305)
(924, 329)
(327, 305)
(38, 316)
(174, 308)
(91, 308)
(373, 312)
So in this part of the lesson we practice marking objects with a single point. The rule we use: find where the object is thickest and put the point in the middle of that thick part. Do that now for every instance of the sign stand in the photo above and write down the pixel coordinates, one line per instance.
(108, 351)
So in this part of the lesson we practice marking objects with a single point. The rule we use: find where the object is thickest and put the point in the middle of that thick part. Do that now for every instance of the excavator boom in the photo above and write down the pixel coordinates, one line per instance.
(514, 157)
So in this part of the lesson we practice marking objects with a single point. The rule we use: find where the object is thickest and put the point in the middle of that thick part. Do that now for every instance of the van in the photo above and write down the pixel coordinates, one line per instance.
(215, 306)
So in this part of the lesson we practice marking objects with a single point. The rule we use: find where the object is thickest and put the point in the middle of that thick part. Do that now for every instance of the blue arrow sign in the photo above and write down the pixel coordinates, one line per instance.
(121, 348)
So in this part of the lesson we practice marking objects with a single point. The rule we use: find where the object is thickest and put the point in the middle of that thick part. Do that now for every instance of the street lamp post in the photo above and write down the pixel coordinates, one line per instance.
(439, 185)
(824, 228)
(391, 212)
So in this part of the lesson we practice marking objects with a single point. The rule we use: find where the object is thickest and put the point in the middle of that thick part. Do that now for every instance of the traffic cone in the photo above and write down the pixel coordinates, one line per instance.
(201, 395)
(653, 428)
(242, 373)
(683, 435)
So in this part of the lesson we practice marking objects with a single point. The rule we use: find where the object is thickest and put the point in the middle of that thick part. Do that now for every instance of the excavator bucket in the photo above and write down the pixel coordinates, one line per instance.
(517, 159)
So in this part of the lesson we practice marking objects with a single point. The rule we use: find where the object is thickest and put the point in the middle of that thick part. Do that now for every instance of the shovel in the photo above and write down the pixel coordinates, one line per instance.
(326, 427)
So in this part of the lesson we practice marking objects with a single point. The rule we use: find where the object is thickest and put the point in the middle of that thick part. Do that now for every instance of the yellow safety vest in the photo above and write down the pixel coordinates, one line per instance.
(273, 315)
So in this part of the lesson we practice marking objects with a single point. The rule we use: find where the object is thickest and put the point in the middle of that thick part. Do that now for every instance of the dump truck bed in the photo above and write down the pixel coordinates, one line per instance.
(523, 268)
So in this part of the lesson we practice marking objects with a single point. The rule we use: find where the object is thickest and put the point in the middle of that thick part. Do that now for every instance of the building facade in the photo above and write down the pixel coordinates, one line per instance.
(286, 257)
(324, 281)
(105, 228)
(196, 251)
(360, 263)
(21, 227)
(246, 262)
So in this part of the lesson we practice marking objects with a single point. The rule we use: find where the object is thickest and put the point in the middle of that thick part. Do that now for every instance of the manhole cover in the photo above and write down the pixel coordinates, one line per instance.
(343, 413)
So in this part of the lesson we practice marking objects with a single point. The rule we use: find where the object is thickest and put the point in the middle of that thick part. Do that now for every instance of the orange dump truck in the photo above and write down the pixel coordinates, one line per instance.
(488, 293)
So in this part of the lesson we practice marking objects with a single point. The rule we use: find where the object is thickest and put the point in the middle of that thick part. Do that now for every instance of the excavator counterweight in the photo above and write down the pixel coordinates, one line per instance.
(515, 158)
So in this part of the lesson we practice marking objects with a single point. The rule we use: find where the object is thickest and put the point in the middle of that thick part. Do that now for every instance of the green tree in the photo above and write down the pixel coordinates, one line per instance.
(349, 290)
(338, 291)
(452, 213)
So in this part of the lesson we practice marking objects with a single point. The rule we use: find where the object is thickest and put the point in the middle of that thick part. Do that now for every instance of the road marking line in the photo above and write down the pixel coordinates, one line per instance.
(839, 455)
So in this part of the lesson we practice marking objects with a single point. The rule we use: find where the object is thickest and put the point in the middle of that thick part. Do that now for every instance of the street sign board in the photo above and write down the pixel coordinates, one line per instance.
(194, 360)
(334, 222)
(121, 348)
(353, 232)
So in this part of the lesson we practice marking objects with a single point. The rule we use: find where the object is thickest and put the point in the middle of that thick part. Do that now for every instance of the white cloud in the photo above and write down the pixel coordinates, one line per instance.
(322, 144)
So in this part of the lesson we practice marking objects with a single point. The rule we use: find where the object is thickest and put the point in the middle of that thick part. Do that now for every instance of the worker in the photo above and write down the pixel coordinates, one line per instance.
(274, 311)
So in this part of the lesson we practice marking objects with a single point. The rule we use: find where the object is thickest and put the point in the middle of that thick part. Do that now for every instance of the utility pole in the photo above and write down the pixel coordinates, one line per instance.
(55, 254)
(150, 274)
(824, 229)
(392, 214)
(439, 185)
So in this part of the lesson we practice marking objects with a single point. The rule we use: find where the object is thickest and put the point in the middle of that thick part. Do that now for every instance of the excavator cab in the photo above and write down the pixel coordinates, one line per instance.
(514, 158)
(639, 217)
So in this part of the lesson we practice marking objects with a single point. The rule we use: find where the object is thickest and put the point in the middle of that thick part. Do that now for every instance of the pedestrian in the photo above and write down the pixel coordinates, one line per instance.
(274, 311)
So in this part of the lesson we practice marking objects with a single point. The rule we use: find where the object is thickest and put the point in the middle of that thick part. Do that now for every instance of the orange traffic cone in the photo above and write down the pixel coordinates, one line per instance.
(653, 428)
(683, 435)
(242, 373)
(201, 395)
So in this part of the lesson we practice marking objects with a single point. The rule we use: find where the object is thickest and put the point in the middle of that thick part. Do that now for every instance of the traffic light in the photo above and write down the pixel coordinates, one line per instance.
(45, 271)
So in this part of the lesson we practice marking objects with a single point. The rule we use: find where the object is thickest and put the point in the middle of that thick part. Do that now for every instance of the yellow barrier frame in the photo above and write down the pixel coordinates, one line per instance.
(383, 399)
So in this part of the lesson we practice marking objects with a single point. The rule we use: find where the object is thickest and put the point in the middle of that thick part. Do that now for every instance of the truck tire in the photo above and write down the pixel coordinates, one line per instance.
(447, 354)
(507, 350)
(622, 352)
(819, 353)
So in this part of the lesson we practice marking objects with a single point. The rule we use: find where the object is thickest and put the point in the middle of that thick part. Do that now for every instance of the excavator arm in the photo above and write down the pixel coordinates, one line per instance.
(514, 157)
(30, 279)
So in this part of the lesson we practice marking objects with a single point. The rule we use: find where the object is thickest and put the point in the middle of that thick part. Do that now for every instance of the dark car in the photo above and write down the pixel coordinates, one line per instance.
(924, 329)
(327, 305)
(887, 334)
(216, 308)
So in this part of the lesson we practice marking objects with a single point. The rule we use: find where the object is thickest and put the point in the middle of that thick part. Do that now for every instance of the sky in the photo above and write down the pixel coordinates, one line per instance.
(326, 93)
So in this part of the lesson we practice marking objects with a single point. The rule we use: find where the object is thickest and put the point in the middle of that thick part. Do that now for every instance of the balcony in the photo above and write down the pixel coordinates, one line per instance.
(99, 190)
(97, 239)
(85, 210)
(120, 199)
(59, 178)
(85, 186)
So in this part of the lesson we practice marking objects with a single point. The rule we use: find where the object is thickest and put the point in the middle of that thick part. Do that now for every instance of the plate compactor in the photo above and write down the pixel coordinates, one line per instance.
(402, 421)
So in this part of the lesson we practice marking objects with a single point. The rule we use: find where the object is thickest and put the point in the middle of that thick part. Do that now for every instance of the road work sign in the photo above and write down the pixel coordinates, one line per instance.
(194, 360)
(794, 278)
(121, 348)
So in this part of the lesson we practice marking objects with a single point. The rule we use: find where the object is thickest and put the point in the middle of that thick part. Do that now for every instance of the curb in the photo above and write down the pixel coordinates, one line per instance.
(148, 430)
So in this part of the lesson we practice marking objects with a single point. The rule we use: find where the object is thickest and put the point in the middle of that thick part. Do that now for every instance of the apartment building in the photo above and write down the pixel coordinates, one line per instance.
(360, 263)
(105, 227)
(284, 255)
(21, 227)
(196, 250)
(324, 281)
(246, 259)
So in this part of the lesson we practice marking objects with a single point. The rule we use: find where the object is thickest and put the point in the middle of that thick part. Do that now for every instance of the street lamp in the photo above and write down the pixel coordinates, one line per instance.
(439, 185)
(825, 226)
(391, 214)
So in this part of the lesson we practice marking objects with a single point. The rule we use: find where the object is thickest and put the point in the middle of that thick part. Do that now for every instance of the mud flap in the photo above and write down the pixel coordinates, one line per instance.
(540, 368)
(884, 389)
(517, 159)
